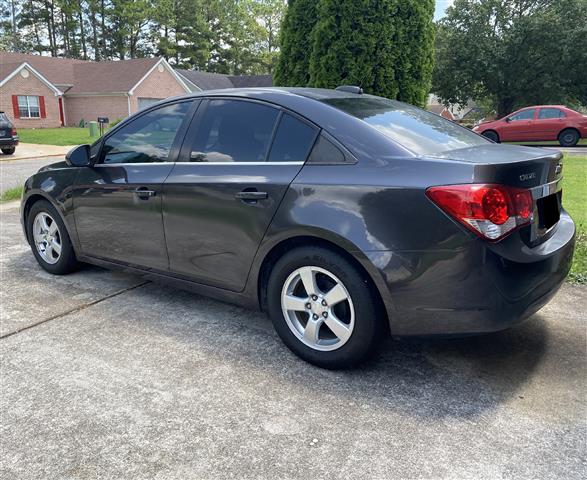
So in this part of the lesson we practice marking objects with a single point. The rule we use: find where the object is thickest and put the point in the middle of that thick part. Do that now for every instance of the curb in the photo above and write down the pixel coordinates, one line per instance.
(38, 157)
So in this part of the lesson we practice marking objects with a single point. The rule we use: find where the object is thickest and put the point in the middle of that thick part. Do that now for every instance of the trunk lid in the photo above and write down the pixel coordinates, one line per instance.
(513, 165)
(536, 169)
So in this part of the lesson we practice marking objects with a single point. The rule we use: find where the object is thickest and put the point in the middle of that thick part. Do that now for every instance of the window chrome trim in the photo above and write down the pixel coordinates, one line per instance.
(142, 164)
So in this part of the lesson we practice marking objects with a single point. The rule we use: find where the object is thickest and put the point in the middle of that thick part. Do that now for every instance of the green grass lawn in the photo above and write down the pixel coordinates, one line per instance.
(11, 194)
(56, 136)
(554, 143)
(575, 202)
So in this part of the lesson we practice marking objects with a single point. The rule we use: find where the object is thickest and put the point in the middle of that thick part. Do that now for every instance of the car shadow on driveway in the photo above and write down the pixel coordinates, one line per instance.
(430, 378)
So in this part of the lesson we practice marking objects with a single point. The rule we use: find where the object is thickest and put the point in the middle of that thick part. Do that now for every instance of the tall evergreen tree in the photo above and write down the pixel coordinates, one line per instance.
(385, 46)
(293, 66)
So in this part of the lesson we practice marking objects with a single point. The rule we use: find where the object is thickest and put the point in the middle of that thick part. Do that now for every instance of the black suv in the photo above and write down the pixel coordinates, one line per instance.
(8, 135)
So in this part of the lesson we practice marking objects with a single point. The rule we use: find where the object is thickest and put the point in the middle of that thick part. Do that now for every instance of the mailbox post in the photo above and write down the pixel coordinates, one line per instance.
(102, 121)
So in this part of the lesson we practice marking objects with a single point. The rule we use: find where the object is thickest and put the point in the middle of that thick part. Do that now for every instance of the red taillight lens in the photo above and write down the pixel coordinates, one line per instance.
(13, 132)
(491, 211)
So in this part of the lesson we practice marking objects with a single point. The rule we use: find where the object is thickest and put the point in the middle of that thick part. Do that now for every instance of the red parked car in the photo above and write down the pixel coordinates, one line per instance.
(539, 123)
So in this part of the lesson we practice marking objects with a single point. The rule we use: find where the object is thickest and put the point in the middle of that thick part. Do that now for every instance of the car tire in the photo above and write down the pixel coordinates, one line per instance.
(308, 328)
(49, 239)
(491, 135)
(8, 151)
(568, 137)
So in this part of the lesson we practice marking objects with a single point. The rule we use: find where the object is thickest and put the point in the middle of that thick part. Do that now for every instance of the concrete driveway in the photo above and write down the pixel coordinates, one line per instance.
(107, 376)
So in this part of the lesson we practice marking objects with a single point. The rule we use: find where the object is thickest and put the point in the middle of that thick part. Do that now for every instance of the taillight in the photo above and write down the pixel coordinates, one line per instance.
(13, 132)
(491, 211)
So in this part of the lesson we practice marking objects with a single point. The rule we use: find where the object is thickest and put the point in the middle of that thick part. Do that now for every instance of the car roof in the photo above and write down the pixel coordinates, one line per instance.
(355, 134)
(543, 106)
(313, 93)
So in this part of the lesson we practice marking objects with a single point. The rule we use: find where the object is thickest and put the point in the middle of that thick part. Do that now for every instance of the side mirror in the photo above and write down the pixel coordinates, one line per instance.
(79, 156)
(508, 119)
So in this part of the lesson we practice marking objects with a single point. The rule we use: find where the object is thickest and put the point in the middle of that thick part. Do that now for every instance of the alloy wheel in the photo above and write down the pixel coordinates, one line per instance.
(318, 308)
(47, 237)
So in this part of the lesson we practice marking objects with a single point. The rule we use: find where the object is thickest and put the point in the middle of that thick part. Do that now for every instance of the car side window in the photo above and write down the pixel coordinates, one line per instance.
(524, 115)
(148, 138)
(293, 140)
(325, 152)
(549, 113)
(234, 131)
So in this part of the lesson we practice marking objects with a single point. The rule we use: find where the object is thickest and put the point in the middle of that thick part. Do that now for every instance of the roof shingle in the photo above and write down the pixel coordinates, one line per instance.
(83, 76)
(215, 81)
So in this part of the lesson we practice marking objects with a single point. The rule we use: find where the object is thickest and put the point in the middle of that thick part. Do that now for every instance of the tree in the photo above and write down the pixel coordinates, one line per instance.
(293, 65)
(385, 46)
(512, 53)
(226, 36)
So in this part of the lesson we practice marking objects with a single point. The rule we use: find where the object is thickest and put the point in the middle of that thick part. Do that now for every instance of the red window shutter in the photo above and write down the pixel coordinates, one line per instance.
(42, 107)
(15, 106)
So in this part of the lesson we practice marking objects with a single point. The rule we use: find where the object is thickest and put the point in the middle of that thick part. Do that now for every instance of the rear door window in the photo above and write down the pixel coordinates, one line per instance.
(293, 140)
(422, 132)
(550, 113)
(233, 131)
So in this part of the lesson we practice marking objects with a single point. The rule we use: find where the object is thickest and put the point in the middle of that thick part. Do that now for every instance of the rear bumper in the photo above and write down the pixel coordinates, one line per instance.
(479, 287)
(9, 142)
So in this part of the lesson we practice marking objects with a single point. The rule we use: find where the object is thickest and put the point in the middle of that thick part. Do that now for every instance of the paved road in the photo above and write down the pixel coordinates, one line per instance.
(110, 377)
(15, 172)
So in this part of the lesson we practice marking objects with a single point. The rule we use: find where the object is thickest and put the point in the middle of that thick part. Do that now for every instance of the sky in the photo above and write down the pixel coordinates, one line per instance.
(441, 6)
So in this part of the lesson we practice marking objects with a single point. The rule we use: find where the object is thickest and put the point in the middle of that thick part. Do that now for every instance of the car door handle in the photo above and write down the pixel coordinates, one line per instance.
(251, 196)
(144, 192)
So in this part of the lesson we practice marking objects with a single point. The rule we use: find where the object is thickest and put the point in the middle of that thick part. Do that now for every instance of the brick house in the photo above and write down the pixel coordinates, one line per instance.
(197, 80)
(37, 91)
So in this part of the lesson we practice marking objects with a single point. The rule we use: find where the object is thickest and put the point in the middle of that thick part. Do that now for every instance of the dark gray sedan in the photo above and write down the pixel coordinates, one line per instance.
(345, 216)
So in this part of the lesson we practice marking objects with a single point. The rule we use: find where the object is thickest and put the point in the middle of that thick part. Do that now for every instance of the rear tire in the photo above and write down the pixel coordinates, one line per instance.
(8, 151)
(49, 239)
(568, 137)
(337, 325)
(491, 135)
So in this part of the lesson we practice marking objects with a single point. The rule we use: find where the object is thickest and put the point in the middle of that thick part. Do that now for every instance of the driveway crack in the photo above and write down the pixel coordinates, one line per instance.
(74, 310)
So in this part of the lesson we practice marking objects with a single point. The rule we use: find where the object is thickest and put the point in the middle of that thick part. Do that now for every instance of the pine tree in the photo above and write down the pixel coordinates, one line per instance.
(385, 46)
(296, 43)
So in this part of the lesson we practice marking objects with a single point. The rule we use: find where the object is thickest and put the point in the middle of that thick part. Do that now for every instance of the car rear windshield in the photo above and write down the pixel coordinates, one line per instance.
(421, 132)
(3, 117)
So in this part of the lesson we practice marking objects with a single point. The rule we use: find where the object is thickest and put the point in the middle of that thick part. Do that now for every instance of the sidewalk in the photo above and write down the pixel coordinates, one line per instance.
(31, 150)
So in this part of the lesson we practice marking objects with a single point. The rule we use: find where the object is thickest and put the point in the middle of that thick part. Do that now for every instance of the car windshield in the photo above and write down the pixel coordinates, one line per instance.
(3, 117)
(422, 132)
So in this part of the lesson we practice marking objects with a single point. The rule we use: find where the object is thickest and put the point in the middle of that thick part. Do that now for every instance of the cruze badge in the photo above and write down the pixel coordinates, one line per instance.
(527, 176)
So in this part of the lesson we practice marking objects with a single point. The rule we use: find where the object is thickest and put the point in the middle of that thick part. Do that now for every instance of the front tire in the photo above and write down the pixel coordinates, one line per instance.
(491, 135)
(49, 239)
(8, 151)
(568, 138)
(324, 308)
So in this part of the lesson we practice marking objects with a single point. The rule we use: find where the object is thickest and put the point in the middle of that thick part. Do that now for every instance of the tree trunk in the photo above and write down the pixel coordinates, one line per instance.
(52, 33)
(35, 29)
(94, 24)
(505, 106)
(102, 15)
(82, 31)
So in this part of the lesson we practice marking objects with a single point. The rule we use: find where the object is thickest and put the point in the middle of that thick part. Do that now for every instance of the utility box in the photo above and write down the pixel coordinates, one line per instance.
(94, 132)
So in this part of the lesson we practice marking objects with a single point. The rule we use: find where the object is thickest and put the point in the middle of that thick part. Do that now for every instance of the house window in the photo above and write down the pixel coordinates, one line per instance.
(28, 106)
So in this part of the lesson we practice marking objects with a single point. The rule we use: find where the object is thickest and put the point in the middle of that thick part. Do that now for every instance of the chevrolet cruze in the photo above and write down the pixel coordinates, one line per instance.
(345, 216)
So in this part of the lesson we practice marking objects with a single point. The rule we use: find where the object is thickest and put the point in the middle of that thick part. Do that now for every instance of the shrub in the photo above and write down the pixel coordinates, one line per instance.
(295, 44)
